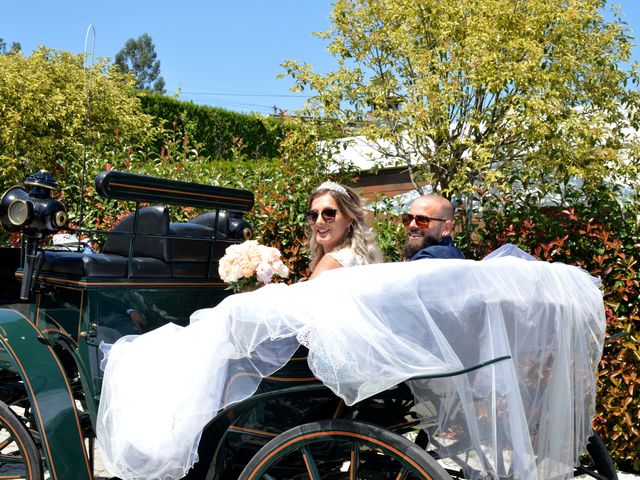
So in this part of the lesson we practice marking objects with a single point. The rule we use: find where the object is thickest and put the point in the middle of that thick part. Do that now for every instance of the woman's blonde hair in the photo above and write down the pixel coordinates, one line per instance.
(359, 236)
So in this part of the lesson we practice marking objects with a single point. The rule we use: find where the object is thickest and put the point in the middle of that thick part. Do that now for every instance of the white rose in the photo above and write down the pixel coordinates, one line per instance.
(281, 269)
(264, 272)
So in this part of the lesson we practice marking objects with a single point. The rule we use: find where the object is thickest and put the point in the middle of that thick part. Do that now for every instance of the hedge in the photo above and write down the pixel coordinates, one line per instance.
(218, 133)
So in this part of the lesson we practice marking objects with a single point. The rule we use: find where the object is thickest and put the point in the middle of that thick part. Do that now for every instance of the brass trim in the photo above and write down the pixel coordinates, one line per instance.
(128, 284)
(136, 187)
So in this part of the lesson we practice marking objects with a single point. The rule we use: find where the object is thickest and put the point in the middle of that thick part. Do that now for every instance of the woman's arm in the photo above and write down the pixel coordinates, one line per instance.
(326, 263)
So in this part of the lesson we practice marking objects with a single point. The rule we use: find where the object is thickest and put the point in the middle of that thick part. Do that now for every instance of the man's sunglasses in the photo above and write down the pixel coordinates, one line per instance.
(328, 215)
(422, 221)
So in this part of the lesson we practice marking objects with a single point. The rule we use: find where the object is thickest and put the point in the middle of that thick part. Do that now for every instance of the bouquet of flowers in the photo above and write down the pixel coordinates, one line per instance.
(248, 265)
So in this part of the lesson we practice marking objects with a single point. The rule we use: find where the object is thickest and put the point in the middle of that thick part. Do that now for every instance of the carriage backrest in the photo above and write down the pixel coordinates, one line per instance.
(151, 220)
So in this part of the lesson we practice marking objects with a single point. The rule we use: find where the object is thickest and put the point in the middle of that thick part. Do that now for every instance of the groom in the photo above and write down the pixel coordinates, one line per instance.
(429, 224)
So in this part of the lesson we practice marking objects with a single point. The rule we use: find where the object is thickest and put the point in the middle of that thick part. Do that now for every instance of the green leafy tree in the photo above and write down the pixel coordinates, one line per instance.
(139, 57)
(466, 92)
(54, 112)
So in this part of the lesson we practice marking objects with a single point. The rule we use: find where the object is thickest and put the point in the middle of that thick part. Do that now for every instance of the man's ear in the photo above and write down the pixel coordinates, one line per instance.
(448, 228)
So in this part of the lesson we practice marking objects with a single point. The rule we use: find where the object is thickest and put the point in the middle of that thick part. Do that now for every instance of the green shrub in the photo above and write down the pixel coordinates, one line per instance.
(218, 133)
(389, 230)
(43, 106)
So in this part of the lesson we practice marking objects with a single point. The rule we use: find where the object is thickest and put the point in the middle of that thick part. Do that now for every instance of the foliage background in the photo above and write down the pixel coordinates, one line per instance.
(45, 120)
(599, 232)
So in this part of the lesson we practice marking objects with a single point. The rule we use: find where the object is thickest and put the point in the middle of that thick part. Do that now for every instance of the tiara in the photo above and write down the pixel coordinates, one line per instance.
(336, 187)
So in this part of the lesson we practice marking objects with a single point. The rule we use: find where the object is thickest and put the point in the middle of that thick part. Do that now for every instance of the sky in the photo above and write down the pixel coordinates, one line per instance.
(225, 53)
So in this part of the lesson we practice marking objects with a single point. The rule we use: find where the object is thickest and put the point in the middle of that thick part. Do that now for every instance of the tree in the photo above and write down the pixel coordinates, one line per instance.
(15, 47)
(139, 57)
(467, 92)
(44, 103)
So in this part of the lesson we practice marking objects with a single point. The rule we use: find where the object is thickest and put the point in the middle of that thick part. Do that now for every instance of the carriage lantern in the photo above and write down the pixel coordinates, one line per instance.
(35, 214)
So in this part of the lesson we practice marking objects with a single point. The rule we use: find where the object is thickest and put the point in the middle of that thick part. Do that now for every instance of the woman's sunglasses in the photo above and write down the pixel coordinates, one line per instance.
(328, 215)
(422, 221)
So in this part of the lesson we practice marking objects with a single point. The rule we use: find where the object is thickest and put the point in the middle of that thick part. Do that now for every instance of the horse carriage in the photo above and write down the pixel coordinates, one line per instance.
(149, 271)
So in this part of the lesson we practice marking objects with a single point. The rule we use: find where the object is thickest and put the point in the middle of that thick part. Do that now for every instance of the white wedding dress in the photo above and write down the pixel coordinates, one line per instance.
(367, 329)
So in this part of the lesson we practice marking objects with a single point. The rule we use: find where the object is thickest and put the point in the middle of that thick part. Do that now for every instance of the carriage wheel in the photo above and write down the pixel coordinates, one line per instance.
(599, 460)
(19, 456)
(342, 450)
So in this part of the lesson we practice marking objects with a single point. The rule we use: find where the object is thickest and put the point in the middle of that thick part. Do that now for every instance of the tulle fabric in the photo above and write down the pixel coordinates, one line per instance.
(367, 329)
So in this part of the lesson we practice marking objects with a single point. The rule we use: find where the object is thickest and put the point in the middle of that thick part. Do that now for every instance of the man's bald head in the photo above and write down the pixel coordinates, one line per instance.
(440, 212)
(439, 206)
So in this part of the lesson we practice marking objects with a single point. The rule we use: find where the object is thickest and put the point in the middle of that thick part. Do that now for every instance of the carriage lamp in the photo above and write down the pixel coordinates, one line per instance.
(34, 211)
(238, 227)
(20, 212)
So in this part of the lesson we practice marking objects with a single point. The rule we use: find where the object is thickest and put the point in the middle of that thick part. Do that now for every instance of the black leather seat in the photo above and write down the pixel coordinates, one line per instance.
(179, 256)
(150, 255)
(151, 220)
(102, 265)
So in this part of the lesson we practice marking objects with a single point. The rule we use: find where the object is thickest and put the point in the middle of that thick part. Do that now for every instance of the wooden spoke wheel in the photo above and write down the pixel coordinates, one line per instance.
(19, 456)
(342, 450)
